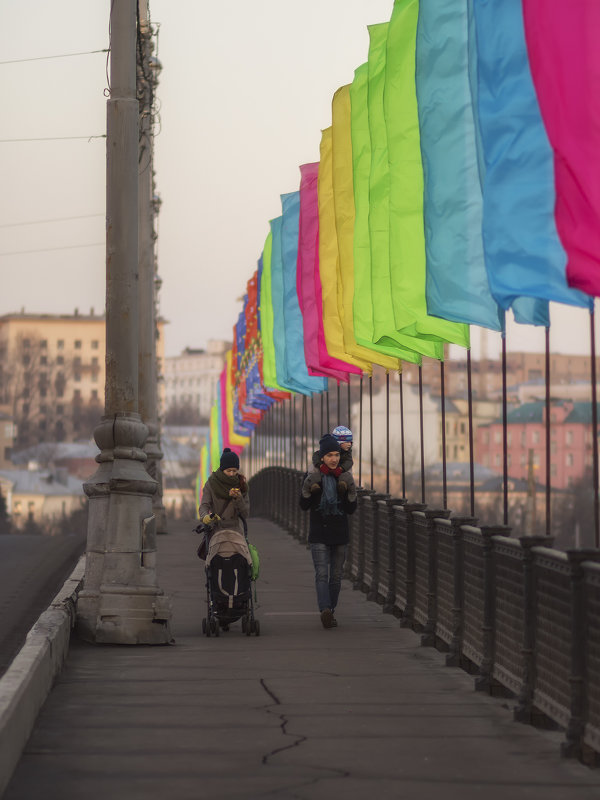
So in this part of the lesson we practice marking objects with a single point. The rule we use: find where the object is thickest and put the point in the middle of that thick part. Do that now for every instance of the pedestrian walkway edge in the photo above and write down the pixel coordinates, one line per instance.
(26, 684)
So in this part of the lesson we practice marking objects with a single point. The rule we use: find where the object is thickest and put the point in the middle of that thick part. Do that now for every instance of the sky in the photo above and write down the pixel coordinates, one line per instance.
(244, 92)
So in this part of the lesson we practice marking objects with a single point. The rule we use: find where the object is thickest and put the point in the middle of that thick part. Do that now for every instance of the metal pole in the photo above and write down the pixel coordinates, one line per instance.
(349, 405)
(421, 427)
(371, 424)
(504, 433)
(360, 428)
(402, 434)
(443, 402)
(594, 428)
(471, 447)
(147, 72)
(548, 443)
(120, 572)
(387, 432)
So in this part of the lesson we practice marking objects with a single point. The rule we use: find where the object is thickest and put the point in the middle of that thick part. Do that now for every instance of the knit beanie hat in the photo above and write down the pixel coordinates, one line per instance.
(229, 459)
(327, 444)
(342, 433)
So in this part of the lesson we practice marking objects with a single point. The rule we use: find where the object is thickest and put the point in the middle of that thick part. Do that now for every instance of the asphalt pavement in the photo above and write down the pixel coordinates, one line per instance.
(298, 713)
(32, 570)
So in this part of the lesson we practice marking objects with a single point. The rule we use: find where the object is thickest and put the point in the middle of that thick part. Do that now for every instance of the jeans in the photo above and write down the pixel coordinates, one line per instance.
(329, 564)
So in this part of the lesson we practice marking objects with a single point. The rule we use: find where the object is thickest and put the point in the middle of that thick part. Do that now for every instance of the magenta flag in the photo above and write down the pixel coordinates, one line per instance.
(564, 56)
(318, 360)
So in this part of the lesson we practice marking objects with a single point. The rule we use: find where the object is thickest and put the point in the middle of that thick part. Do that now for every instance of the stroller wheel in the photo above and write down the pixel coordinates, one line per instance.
(249, 626)
(214, 627)
(256, 627)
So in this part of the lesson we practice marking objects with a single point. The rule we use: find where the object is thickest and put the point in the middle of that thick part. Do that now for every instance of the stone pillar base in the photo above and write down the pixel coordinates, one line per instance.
(124, 615)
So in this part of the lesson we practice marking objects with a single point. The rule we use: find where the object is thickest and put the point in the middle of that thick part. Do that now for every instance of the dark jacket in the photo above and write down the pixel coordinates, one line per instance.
(328, 528)
(229, 510)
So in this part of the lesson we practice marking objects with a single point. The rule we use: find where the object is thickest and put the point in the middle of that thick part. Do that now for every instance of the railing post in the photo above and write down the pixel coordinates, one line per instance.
(408, 615)
(572, 747)
(389, 602)
(360, 550)
(428, 636)
(373, 590)
(453, 657)
(524, 710)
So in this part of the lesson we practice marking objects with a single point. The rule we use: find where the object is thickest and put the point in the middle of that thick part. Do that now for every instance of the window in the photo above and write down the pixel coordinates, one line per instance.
(523, 459)
(60, 360)
(553, 469)
(94, 361)
(497, 459)
(569, 437)
(77, 395)
(77, 344)
(95, 344)
(26, 343)
(44, 343)
(523, 438)
(26, 361)
(60, 345)
(536, 437)
(43, 408)
(497, 437)
(553, 447)
(77, 362)
(43, 391)
(42, 425)
(94, 394)
(509, 460)
(569, 459)
(26, 408)
(60, 409)
(43, 360)
(77, 377)
(509, 438)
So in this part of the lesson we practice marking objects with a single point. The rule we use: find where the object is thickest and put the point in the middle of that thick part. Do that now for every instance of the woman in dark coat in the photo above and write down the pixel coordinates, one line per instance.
(330, 495)
(225, 495)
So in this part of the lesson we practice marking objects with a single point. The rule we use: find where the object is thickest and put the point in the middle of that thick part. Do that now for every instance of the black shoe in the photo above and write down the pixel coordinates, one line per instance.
(327, 618)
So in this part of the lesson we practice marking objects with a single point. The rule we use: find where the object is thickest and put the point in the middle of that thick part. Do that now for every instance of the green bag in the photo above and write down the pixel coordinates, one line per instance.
(255, 562)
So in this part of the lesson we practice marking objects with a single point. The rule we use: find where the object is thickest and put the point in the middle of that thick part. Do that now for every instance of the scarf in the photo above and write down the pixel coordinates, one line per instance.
(329, 505)
(221, 483)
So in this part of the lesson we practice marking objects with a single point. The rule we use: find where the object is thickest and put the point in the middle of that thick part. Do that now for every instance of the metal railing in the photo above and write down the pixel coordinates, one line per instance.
(523, 616)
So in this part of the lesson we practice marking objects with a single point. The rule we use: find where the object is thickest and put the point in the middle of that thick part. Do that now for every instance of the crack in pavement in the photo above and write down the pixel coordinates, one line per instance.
(298, 740)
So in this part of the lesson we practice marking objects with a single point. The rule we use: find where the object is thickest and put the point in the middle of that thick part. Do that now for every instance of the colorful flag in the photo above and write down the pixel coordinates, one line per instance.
(562, 43)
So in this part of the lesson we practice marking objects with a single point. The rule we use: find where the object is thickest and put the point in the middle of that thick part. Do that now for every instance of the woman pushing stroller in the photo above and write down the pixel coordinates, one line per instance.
(225, 495)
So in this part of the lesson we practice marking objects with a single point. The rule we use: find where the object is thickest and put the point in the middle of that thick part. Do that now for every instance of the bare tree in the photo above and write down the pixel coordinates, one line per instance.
(35, 385)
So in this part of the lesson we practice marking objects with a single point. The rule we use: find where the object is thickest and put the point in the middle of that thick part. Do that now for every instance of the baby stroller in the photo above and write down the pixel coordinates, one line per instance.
(228, 583)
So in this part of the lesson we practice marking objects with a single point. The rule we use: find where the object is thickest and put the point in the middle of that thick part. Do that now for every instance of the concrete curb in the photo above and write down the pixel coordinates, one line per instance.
(26, 684)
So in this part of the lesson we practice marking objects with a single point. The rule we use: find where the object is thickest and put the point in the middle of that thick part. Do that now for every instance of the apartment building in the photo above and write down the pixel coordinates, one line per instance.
(190, 379)
(571, 442)
(52, 374)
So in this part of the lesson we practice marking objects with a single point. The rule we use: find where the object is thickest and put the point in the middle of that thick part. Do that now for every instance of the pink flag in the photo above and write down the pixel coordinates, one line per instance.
(564, 55)
(318, 360)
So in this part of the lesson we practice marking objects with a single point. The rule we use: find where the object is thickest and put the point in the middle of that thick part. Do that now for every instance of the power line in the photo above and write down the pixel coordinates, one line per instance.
(50, 249)
(54, 219)
(61, 55)
(55, 138)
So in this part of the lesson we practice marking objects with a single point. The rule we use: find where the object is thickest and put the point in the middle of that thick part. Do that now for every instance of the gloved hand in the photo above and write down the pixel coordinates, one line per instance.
(208, 519)
(316, 487)
(342, 487)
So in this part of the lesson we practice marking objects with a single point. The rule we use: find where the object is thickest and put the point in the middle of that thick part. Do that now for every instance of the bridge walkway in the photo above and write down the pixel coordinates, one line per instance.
(299, 713)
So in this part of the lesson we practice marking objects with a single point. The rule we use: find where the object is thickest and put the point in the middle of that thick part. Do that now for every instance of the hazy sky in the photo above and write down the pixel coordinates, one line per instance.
(245, 90)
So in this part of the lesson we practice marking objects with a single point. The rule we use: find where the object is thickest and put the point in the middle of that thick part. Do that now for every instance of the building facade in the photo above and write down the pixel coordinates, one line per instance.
(52, 374)
(571, 442)
(190, 379)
